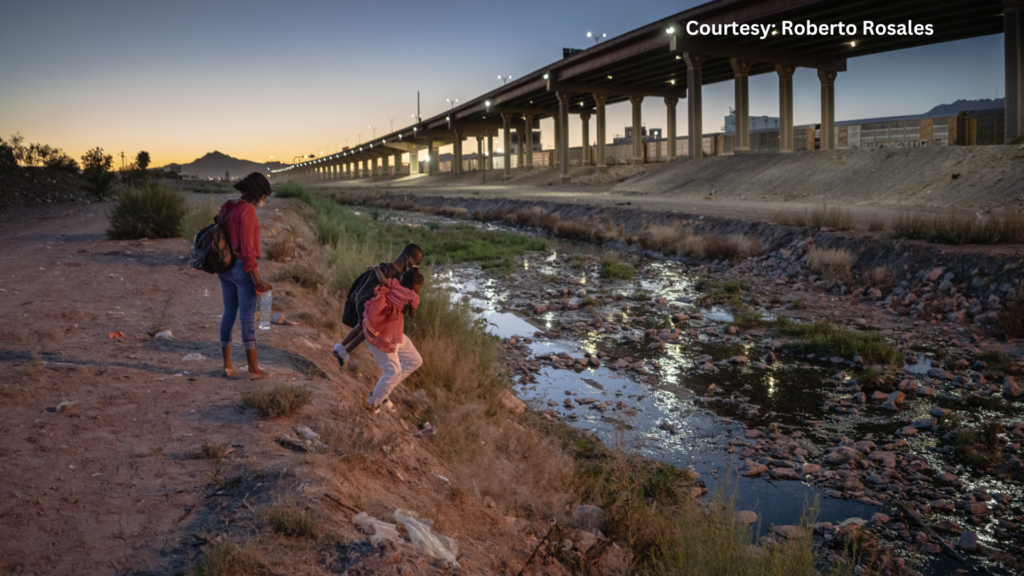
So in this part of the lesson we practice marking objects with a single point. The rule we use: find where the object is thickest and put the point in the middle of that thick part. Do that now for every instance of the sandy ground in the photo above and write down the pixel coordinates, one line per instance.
(110, 485)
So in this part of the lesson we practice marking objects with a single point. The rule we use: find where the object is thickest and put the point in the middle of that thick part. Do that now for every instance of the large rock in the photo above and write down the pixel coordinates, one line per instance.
(885, 459)
(587, 518)
(935, 274)
(746, 517)
(840, 455)
(1010, 387)
(969, 541)
(510, 402)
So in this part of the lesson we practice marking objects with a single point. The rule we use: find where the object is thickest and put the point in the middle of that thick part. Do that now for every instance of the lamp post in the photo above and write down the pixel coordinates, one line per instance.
(392, 120)
(452, 102)
(596, 37)
(374, 131)
(359, 137)
(504, 79)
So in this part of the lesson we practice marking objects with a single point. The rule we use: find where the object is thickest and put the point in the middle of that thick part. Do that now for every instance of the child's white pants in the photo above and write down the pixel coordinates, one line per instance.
(396, 367)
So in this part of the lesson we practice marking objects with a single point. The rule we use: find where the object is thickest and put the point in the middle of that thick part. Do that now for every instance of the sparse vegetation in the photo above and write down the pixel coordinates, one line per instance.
(155, 211)
(978, 448)
(832, 217)
(281, 249)
(792, 218)
(227, 559)
(614, 268)
(961, 227)
(211, 450)
(831, 264)
(282, 400)
(747, 320)
(1011, 317)
(876, 223)
(96, 168)
(288, 520)
(827, 339)
(881, 277)
(197, 217)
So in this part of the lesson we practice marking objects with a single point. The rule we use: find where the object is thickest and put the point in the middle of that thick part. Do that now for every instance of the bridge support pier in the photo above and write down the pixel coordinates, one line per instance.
(827, 134)
(386, 169)
(1013, 48)
(479, 152)
(506, 136)
(585, 149)
(457, 153)
(741, 70)
(527, 156)
(520, 138)
(638, 126)
(490, 151)
(563, 136)
(785, 73)
(670, 126)
(694, 79)
(601, 100)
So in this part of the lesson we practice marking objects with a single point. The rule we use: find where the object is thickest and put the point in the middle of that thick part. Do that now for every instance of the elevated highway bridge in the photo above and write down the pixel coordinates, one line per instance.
(662, 60)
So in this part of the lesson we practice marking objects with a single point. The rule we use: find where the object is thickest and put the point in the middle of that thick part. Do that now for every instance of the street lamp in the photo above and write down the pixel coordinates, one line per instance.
(374, 131)
(359, 136)
(452, 102)
(392, 120)
(596, 37)
(504, 79)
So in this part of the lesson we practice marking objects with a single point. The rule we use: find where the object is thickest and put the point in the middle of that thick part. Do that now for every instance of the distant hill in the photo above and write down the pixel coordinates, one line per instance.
(214, 164)
(968, 105)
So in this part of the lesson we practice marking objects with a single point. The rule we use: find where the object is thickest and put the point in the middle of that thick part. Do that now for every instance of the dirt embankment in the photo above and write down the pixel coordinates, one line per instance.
(872, 179)
(998, 267)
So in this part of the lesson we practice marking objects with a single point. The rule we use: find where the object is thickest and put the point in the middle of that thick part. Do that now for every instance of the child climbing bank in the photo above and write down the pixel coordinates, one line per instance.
(383, 329)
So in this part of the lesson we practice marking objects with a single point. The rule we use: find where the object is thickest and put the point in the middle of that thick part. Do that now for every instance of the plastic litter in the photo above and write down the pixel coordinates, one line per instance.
(378, 530)
(427, 430)
(194, 356)
(65, 405)
(165, 335)
(113, 335)
(311, 439)
(266, 315)
(428, 541)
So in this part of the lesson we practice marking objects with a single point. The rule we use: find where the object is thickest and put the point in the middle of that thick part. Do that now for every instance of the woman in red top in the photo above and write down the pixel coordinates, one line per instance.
(242, 283)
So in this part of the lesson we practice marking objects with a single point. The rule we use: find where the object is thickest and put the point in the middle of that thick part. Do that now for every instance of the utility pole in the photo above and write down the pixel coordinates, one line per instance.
(392, 120)
(122, 160)
(418, 117)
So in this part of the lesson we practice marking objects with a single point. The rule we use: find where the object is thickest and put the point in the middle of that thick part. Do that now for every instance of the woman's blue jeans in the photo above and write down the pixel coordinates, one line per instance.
(239, 295)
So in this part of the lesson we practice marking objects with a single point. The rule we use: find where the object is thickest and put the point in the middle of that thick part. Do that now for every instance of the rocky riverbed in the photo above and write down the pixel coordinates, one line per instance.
(682, 361)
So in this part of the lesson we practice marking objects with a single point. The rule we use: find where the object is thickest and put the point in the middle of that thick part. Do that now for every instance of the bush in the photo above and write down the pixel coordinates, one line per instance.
(226, 559)
(197, 217)
(880, 277)
(96, 168)
(153, 212)
(281, 250)
(612, 267)
(831, 264)
(284, 400)
(792, 218)
(876, 224)
(827, 339)
(978, 448)
(831, 217)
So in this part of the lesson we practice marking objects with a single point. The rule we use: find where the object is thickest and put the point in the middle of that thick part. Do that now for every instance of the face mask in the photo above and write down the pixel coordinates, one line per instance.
(261, 202)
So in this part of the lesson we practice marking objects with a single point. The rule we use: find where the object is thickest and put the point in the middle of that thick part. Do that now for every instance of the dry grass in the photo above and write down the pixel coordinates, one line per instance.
(876, 223)
(227, 559)
(309, 276)
(792, 218)
(831, 264)
(281, 250)
(662, 238)
(961, 227)
(881, 277)
(831, 217)
(289, 520)
(453, 211)
(672, 240)
(283, 400)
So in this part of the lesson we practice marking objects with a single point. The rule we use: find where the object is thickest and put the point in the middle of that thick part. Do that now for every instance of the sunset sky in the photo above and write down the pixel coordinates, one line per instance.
(261, 79)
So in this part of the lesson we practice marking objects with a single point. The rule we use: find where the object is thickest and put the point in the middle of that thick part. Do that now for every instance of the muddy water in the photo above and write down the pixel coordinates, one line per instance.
(676, 410)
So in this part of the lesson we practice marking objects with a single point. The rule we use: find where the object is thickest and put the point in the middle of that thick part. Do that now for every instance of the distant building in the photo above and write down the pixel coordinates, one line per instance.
(176, 168)
(645, 135)
(515, 141)
(756, 123)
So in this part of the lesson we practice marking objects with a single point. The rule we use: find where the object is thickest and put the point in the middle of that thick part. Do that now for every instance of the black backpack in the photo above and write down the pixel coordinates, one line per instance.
(211, 250)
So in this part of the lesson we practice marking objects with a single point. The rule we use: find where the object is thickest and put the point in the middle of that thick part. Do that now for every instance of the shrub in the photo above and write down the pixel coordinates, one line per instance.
(197, 217)
(283, 400)
(308, 276)
(96, 168)
(281, 250)
(978, 448)
(155, 211)
(792, 218)
(731, 248)
(831, 264)
(876, 223)
(880, 277)
(831, 217)
(226, 559)
(453, 211)
(661, 238)
(290, 521)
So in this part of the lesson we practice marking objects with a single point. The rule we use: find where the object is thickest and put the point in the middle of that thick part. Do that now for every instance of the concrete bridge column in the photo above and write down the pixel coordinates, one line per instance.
(479, 152)
(638, 141)
(1013, 49)
(585, 158)
(828, 108)
(563, 135)
(457, 153)
(363, 172)
(601, 100)
(694, 79)
(348, 170)
(670, 126)
(785, 72)
(432, 162)
(741, 71)
(528, 151)
(386, 169)
(519, 147)
(398, 163)
(506, 135)
(490, 151)
(414, 162)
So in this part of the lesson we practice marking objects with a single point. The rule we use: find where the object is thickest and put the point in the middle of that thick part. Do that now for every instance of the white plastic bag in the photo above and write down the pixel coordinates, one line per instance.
(378, 530)
(426, 540)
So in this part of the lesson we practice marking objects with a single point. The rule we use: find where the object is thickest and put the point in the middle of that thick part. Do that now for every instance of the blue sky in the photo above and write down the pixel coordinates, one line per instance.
(261, 79)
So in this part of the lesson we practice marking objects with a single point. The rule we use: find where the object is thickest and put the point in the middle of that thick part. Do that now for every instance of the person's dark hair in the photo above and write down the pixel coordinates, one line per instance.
(412, 278)
(253, 187)
(411, 251)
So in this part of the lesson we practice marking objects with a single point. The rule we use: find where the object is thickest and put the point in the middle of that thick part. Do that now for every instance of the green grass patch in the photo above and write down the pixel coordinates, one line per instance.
(824, 338)
(747, 320)
(614, 268)
(278, 401)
